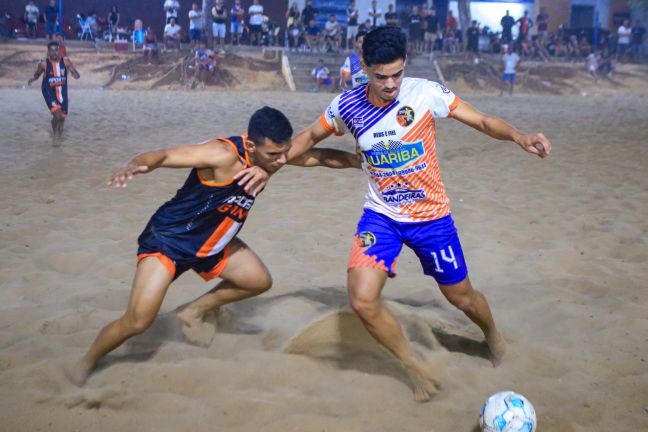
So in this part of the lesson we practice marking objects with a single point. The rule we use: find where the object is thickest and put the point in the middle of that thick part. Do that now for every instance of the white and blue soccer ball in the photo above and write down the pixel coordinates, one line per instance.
(507, 411)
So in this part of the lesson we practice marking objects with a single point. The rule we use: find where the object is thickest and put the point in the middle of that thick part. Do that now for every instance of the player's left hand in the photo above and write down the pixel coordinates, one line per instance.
(535, 143)
(254, 179)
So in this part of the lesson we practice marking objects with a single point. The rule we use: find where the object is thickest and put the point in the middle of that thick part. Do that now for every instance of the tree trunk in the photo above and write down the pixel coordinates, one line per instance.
(464, 17)
(207, 21)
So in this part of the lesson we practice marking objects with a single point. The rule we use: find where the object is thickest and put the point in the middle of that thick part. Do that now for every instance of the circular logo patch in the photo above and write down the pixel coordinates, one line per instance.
(367, 239)
(405, 116)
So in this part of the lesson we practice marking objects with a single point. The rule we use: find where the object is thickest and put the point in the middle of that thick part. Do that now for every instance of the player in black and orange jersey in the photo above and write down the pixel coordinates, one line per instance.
(197, 229)
(54, 86)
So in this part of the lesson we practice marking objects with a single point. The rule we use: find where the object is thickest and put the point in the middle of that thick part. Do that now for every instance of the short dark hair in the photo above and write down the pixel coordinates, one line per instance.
(269, 123)
(53, 44)
(384, 45)
(360, 34)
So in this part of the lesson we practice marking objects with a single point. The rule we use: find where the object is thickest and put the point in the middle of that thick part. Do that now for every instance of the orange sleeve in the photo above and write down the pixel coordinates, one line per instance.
(325, 124)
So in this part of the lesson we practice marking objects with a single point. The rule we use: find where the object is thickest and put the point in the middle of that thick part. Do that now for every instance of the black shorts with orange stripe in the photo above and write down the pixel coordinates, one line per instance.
(208, 268)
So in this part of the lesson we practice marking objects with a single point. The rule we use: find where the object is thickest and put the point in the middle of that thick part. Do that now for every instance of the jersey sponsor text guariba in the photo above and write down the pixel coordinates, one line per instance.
(398, 145)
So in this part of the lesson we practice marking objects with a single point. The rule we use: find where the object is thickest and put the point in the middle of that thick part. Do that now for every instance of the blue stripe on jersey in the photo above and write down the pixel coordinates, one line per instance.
(354, 105)
(354, 61)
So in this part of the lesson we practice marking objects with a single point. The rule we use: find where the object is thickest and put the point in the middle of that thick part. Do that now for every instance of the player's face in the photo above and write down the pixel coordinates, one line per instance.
(271, 156)
(53, 53)
(358, 44)
(385, 80)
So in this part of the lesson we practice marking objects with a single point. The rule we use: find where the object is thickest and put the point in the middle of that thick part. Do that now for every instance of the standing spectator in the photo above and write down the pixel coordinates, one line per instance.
(510, 60)
(51, 19)
(195, 24)
(352, 23)
(450, 34)
(172, 35)
(375, 14)
(593, 65)
(171, 7)
(219, 15)
(113, 21)
(391, 17)
(414, 29)
(309, 12)
(431, 31)
(31, 19)
(236, 26)
(472, 45)
(92, 24)
(312, 34)
(256, 21)
(543, 23)
(525, 27)
(623, 40)
(507, 23)
(322, 76)
(332, 34)
(638, 33)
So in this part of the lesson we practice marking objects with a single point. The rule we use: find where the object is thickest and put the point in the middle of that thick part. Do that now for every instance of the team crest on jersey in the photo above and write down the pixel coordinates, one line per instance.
(444, 89)
(358, 122)
(329, 113)
(389, 154)
(405, 116)
(367, 239)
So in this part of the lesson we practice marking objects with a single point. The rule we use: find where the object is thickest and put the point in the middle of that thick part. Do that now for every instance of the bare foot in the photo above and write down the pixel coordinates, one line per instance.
(195, 327)
(425, 386)
(497, 346)
(77, 374)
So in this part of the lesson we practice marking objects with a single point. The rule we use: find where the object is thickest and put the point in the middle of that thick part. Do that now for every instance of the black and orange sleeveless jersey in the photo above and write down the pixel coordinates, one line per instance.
(202, 218)
(54, 86)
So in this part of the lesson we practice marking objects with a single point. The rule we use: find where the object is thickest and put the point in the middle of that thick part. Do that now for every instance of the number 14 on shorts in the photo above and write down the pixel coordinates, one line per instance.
(446, 255)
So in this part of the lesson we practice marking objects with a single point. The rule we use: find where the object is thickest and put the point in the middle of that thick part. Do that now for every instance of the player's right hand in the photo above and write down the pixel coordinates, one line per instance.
(125, 174)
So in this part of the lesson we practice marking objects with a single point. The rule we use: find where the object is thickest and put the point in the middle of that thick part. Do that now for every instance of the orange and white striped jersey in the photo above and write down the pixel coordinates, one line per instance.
(397, 141)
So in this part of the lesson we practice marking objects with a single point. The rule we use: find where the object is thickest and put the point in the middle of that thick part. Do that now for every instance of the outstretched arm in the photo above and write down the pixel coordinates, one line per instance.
(214, 154)
(534, 143)
(71, 68)
(39, 70)
(329, 158)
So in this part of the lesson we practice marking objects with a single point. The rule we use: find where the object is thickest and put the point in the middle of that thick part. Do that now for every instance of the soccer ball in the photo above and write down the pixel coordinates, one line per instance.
(507, 411)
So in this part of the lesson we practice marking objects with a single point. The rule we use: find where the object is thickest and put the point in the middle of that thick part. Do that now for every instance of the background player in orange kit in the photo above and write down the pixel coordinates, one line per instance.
(197, 229)
(392, 119)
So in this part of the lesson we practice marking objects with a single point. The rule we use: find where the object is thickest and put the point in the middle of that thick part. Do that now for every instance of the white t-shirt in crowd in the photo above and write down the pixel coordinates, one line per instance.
(172, 30)
(380, 20)
(174, 6)
(331, 28)
(256, 14)
(510, 62)
(195, 19)
(32, 13)
(624, 34)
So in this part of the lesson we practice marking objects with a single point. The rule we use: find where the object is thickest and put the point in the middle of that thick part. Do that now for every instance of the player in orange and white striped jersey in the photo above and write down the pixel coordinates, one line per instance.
(393, 121)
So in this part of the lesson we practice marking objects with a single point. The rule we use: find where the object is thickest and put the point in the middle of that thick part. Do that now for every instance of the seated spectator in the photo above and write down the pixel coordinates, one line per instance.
(312, 35)
(573, 50)
(172, 35)
(607, 65)
(365, 26)
(332, 34)
(322, 76)
(294, 35)
(204, 63)
(150, 45)
(585, 47)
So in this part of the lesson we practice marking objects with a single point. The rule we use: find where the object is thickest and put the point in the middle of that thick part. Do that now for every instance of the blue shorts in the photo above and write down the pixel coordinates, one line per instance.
(508, 77)
(195, 34)
(379, 239)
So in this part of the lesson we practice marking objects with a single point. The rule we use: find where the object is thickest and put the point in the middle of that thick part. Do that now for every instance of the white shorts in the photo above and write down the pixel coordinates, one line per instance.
(352, 31)
(218, 30)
